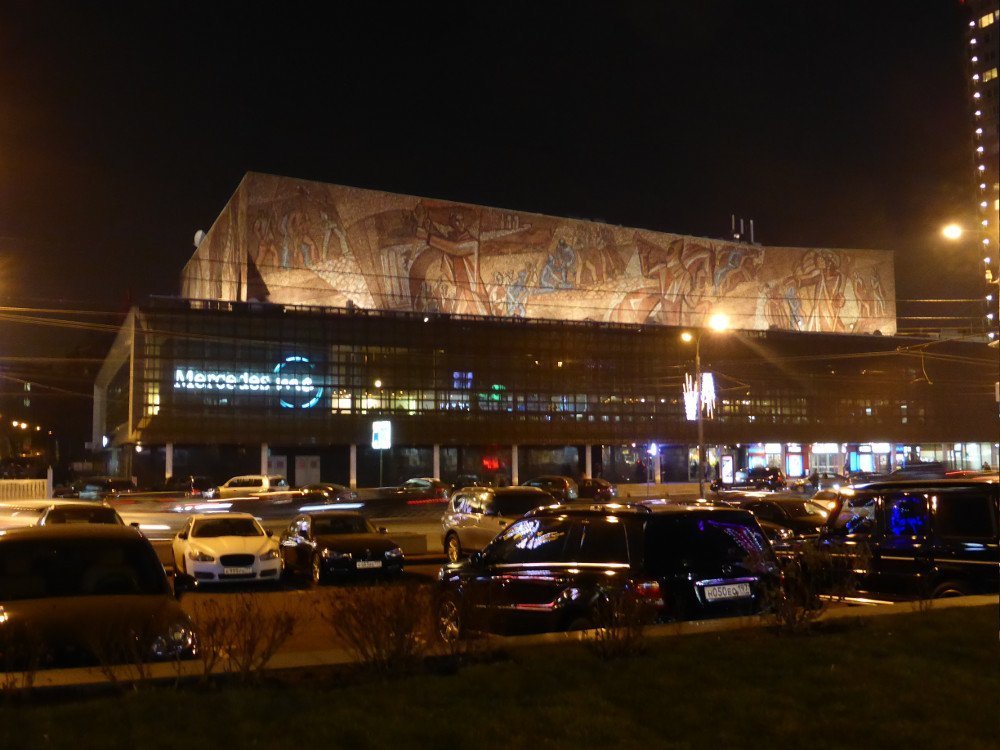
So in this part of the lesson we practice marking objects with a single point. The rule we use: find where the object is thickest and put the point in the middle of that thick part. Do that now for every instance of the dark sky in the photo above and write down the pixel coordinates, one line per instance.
(123, 130)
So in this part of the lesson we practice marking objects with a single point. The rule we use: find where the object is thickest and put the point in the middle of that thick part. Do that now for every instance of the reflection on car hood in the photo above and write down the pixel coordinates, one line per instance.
(356, 542)
(81, 630)
(233, 545)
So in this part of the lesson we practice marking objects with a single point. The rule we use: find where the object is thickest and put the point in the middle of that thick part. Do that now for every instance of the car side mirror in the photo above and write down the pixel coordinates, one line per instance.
(383, 530)
(134, 524)
(182, 535)
(476, 559)
(269, 532)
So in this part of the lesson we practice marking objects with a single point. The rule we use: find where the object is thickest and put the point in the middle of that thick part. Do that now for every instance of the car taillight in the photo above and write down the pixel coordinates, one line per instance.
(649, 589)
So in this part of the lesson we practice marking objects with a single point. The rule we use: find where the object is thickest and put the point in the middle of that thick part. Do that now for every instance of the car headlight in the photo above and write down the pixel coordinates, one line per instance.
(271, 554)
(199, 556)
(394, 552)
(179, 642)
(784, 534)
(331, 554)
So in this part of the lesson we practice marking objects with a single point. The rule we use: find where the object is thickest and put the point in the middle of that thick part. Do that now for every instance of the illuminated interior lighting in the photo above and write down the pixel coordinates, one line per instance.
(979, 150)
(979, 131)
(981, 168)
(975, 77)
(976, 95)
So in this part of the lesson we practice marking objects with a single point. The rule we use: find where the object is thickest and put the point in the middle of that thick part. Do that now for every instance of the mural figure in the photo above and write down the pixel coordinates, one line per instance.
(398, 252)
(559, 271)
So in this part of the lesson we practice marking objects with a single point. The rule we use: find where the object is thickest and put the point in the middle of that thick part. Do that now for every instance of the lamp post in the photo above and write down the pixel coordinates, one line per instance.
(717, 323)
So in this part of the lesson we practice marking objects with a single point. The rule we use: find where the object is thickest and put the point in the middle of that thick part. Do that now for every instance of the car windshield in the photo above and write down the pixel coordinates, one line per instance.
(516, 505)
(800, 510)
(685, 543)
(82, 515)
(214, 527)
(78, 567)
(341, 525)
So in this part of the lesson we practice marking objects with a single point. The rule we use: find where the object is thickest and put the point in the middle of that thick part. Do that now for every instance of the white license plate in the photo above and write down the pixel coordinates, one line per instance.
(237, 571)
(369, 563)
(727, 591)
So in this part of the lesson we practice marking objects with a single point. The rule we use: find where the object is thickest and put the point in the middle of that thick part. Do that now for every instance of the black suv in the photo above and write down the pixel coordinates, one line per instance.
(554, 568)
(757, 478)
(934, 537)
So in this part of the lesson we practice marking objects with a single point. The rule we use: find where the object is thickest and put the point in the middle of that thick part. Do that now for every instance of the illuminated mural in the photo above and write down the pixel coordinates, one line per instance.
(295, 242)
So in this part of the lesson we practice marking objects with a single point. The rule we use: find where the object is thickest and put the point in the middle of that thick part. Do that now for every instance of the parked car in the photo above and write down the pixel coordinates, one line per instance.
(420, 491)
(250, 484)
(189, 485)
(84, 595)
(334, 493)
(338, 544)
(757, 478)
(555, 568)
(560, 487)
(928, 537)
(21, 513)
(818, 481)
(225, 547)
(476, 514)
(596, 489)
(919, 470)
(97, 488)
(802, 516)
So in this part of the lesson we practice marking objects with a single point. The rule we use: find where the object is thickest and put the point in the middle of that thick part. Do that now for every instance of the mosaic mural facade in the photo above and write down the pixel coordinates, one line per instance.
(291, 241)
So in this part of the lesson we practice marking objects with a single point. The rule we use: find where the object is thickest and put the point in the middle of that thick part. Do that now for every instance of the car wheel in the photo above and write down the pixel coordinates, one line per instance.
(950, 589)
(449, 619)
(316, 570)
(453, 548)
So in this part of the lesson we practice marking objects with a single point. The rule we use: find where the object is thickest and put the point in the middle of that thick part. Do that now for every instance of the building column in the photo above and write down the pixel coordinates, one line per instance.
(437, 460)
(168, 451)
(513, 466)
(656, 467)
(265, 453)
(353, 471)
(588, 462)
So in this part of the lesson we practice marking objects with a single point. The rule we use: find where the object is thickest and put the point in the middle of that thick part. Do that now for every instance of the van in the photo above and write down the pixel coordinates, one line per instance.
(925, 538)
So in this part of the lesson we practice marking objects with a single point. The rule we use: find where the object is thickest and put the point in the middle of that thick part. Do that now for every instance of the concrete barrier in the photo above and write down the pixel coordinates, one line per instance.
(23, 489)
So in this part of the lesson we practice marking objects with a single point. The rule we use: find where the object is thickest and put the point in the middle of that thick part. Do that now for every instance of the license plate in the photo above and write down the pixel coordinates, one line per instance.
(369, 563)
(727, 591)
(237, 571)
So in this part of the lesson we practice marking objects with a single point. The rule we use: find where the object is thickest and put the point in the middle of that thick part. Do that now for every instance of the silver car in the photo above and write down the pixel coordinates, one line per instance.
(477, 514)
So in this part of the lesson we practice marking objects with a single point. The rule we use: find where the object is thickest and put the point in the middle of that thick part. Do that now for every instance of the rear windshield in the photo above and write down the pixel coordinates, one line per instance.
(78, 567)
(214, 527)
(515, 506)
(82, 515)
(699, 543)
(341, 525)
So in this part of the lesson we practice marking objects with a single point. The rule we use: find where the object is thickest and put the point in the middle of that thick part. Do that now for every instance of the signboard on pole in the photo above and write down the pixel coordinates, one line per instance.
(382, 435)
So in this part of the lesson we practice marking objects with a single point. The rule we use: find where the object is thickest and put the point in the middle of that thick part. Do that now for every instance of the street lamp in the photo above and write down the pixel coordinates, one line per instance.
(954, 232)
(718, 323)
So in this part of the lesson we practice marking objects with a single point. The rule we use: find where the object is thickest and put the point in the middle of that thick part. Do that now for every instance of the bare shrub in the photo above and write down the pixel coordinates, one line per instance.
(22, 652)
(123, 653)
(240, 634)
(812, 578)
(620, 621)
(387, 627)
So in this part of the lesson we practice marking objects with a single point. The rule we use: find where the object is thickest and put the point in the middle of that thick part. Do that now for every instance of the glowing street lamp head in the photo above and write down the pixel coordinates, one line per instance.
(718, 322)
(952, 232)
(687, 337)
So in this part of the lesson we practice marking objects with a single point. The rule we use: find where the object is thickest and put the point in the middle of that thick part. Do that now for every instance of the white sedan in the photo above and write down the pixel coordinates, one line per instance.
(226, 547)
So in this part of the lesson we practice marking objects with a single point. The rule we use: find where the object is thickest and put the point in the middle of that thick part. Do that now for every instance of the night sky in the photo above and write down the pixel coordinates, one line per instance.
(124, 130)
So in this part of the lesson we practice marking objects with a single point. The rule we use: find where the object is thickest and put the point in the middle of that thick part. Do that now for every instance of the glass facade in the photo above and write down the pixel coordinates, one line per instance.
(222, 373)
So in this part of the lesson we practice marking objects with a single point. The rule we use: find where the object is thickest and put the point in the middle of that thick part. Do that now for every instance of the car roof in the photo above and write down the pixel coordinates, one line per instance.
(636, 509)
(929, 483)
(331, 514)
(227, 514)
(72, 531)
(51, 503)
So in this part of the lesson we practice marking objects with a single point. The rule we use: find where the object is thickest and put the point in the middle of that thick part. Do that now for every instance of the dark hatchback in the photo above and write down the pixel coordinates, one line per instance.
(83, 595)
(923, 538)
(596, 489)
(338, 544)
(757, 478)
(554, 568)
(562, 488)
(802, 516)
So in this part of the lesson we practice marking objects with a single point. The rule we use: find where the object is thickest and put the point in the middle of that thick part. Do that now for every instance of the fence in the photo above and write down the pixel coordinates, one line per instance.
(25, 489)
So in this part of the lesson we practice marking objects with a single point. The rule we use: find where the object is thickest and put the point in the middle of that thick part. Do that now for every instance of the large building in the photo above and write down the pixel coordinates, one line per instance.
(508, 344)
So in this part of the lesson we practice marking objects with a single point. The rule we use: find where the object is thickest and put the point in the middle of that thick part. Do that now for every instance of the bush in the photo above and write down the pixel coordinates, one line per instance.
(812, 578)
(240, 634)
(388, 627)
(619, 629)
(21, 654)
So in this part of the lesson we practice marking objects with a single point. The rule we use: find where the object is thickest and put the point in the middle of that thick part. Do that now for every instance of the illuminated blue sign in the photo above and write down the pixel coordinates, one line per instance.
(291, 379)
